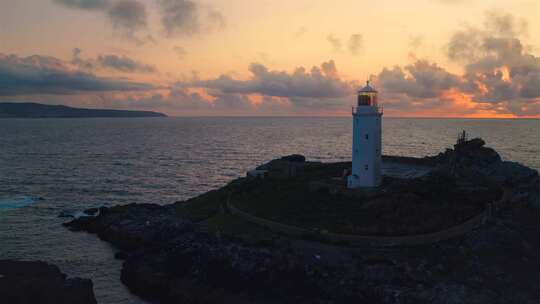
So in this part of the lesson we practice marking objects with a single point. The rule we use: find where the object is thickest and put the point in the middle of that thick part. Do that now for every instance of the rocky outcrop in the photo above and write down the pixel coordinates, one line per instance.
(495, 264)
(39, 282)
(168, 260)
(132, 226)
(472, 157)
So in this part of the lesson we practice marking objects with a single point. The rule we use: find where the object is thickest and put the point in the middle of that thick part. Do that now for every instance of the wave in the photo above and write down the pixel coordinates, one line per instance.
(17, 202)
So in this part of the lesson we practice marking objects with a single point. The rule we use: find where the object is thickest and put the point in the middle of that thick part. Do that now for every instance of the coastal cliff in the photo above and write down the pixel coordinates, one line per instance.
(197, 252)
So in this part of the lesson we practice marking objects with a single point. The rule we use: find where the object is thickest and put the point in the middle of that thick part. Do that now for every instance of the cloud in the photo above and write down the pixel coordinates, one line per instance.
(421, 79)
(179, 16)
(124, 64)
(216, 20)
(501, 76)
(128, 15)
(356, 44)
(48, 75)
(180, 51)
(187, 17)
(319, 82)
(335, 42)
(120, 63)
(499, 67)
(83, 64)
(84, 4)
(266, 92)
(416, 41)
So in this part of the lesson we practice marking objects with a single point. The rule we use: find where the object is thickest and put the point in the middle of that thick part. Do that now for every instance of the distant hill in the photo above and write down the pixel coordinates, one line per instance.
(37, 110)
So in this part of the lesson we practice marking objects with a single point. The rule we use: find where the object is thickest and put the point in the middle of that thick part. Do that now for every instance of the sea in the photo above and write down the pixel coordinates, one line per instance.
(53, 166)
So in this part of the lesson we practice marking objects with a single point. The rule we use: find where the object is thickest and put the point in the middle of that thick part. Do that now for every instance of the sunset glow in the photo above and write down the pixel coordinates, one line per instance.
(235, 57)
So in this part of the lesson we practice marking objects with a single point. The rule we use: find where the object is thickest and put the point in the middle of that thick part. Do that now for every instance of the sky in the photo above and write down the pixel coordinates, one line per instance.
(427, 58)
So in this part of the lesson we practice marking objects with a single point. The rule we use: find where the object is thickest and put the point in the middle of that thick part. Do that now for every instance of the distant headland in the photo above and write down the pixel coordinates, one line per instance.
(36, 110)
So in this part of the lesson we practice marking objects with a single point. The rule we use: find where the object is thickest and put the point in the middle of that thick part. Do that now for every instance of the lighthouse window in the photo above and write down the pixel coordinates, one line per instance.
(366, 167)
(367, 136)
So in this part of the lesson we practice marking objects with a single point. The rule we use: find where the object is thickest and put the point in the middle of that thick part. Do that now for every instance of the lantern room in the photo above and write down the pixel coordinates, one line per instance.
(367, 96)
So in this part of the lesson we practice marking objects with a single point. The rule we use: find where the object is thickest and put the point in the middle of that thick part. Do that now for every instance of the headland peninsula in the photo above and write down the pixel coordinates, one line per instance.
(37, 110)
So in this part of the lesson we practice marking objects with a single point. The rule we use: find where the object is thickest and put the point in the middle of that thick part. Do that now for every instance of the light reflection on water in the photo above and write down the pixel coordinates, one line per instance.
(76, 164)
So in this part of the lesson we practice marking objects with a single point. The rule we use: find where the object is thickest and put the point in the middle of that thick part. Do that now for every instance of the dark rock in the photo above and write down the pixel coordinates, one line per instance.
(295, 158)
(66, 214)
(471, 145)
(283, 161)
(510, 173)
(39, 282)
(133, 225)
(91, 211)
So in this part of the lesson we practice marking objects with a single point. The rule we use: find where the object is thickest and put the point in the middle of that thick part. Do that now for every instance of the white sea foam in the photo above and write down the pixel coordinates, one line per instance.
(16, 202)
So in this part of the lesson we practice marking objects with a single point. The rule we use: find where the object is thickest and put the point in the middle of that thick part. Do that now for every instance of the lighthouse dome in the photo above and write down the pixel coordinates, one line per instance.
(367, 89)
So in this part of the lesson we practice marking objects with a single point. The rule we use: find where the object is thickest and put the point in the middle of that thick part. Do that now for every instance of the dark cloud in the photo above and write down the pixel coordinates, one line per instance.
(320, 83)
(356, 44)
(421, 79)
(48, 75)
(119, 63)
(187, 17)
(124, 64)
(128, 15)
(83, 64)
(179, 16)
(84, 4)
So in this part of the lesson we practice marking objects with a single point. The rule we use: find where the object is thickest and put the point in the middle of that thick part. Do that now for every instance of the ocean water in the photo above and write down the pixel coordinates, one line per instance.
(48, 166)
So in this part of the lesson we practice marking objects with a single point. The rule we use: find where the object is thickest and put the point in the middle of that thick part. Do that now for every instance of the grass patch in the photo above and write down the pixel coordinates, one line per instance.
(203, 206)
(402, 207)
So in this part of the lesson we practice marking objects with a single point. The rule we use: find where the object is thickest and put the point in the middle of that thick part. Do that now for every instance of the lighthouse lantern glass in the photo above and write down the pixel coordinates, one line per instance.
(367, 98)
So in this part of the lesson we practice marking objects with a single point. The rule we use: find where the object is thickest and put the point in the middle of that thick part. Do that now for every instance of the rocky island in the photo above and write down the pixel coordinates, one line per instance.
(458, 227)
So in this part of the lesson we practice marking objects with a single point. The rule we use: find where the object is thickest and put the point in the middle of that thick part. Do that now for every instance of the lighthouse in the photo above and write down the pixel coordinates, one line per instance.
(367, 140)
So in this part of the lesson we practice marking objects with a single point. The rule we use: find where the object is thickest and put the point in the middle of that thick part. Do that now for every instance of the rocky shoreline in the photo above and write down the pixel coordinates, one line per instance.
(39, 282)
(169, 258)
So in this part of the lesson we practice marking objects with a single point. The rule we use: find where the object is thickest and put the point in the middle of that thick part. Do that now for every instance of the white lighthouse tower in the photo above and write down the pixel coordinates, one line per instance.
(367, 138)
